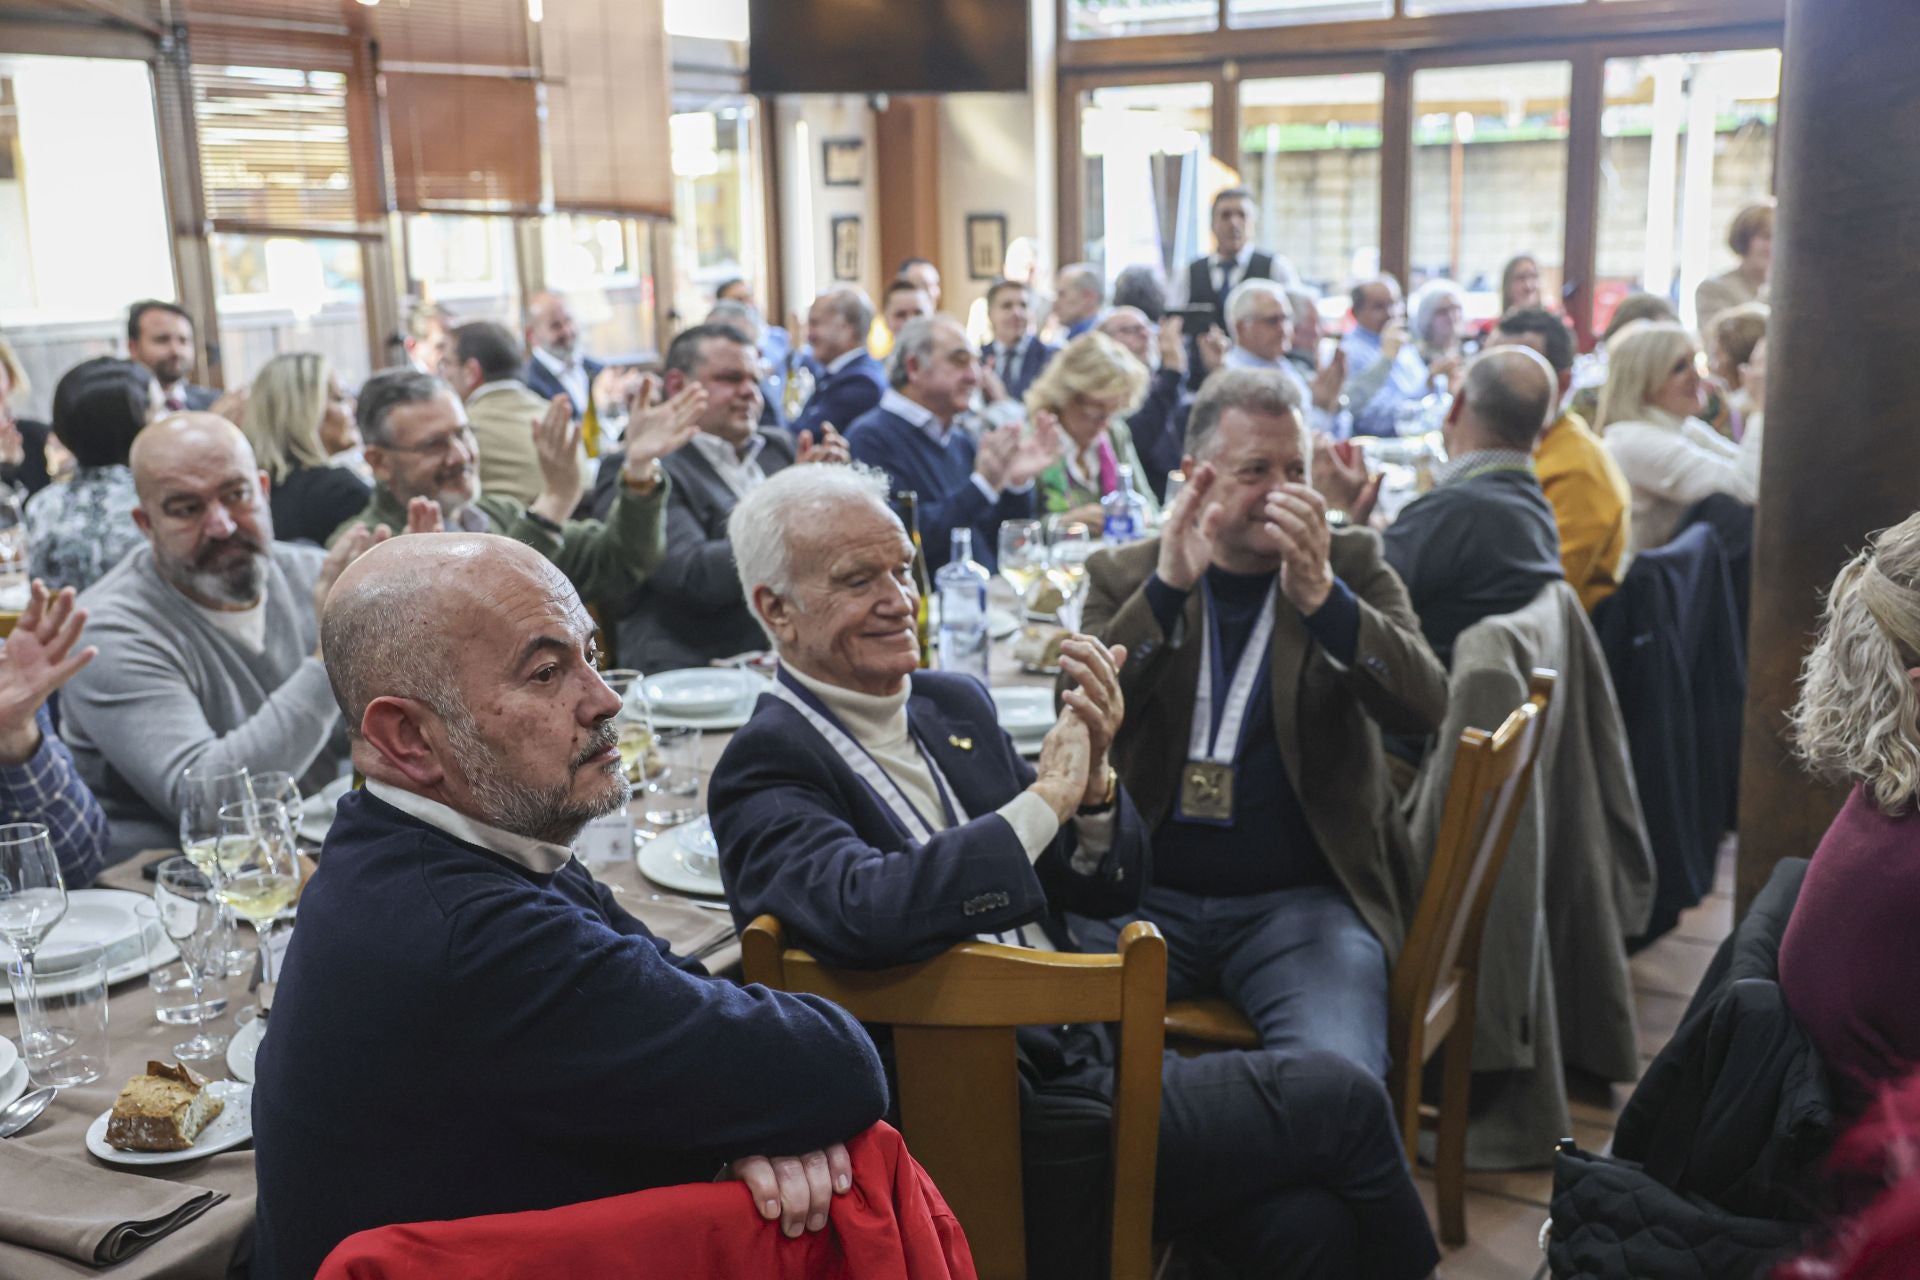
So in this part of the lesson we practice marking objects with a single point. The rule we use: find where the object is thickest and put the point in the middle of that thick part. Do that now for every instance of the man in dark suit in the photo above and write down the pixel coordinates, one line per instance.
(1210, 279)
(912, 436)
(689, 611)
(557, 366)
(1266, 653)
(883, 816)
(848, 380)
(1016, 355)
(160, 336)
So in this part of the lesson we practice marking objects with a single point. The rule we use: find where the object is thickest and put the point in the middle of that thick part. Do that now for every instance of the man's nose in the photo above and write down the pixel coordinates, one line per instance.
(220, 522)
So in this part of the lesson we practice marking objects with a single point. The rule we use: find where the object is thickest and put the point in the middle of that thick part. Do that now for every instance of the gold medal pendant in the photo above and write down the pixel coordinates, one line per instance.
(1206, 791)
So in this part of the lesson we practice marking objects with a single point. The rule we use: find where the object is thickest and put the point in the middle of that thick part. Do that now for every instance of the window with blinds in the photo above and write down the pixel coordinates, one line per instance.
(275, 149)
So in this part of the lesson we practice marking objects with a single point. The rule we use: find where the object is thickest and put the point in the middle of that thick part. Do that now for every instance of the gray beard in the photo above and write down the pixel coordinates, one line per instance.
(547, 814)
(242, 584)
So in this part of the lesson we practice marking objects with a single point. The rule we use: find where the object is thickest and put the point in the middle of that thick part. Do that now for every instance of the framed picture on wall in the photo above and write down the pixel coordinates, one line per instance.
(846, 246)
(986, 245)
(843, 161)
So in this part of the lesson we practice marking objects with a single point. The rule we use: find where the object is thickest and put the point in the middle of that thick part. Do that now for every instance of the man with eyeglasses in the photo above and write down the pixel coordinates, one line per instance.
(208, 638)
(912, 435)
(419, 445)
(1260, 316)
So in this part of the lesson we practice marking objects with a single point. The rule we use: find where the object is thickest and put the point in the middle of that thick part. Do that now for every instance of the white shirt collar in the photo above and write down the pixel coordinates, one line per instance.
(1019, 345)
(1240, 259)
(872, 720)
(845, 358)
(559, 367)
(740, 472)
(537, 856)
(918, 414)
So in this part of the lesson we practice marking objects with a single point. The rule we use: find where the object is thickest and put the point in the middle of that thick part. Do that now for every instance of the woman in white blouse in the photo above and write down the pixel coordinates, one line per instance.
(1670, 458)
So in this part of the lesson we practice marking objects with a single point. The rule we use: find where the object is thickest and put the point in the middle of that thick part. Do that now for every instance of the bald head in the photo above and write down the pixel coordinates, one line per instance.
(187, 440)
(1509, 394)
(551, 326)
(385, 632)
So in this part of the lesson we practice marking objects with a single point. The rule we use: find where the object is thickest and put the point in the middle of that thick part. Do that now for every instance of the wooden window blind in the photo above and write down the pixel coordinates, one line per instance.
(463, 143)
(608, 90)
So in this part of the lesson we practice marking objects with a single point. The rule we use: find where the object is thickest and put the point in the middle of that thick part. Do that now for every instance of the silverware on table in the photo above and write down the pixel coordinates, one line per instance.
(24, 1110)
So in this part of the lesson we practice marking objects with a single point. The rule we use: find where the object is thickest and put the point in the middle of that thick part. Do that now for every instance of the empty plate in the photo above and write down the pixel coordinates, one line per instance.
(701, 691)
(101, 918)
(1026, 711)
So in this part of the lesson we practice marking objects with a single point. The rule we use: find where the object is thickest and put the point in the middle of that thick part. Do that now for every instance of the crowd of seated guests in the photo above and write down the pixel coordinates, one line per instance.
(268, 581)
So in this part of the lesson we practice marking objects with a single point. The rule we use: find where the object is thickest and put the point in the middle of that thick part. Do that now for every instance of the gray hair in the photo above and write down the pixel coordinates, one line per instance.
(761, 527)
(854, 306)
(1427, 301)
(1240, 301)
(1357, 296)
(1263, 391)
(915, 342)
(375, 647)
(1858, 717)
(1512, 391)
(739, 315)
(391, 389)
(1086, 276)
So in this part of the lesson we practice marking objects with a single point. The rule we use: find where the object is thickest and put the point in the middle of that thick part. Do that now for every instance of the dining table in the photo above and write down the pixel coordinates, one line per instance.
(219, 1243)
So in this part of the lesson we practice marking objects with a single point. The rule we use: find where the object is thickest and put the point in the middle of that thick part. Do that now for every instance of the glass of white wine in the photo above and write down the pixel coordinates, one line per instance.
(634, 722)
(33, 897)
(204, 791)
(277, 784)
(1023, 554)
(259, 867)
(199, 926)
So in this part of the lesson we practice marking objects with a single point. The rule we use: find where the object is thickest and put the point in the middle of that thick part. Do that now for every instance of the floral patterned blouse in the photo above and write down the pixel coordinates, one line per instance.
(79, 530)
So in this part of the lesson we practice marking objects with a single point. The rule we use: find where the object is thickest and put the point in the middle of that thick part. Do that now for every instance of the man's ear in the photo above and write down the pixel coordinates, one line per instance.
(396, 729)
(776, 611)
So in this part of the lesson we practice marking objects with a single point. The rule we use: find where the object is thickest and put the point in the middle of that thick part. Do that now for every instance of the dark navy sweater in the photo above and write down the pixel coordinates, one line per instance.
(456, 1035)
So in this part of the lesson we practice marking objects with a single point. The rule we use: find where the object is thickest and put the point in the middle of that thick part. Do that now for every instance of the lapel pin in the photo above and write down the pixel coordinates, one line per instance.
(955, 740)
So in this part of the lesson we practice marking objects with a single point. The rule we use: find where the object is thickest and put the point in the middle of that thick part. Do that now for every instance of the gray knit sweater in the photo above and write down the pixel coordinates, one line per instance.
(170, 691)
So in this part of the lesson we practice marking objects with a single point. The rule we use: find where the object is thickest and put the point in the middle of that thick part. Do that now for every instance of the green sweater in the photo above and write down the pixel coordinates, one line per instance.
(605, 560)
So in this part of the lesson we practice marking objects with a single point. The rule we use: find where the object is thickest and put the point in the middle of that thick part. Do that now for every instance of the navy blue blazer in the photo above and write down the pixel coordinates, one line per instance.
(540, 381)
(1032, 360)
(941, 477)
(802, 837)
(840, 398)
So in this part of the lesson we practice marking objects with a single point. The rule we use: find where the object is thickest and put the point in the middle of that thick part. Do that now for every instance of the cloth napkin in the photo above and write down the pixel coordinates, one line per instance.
(93, 1216)
(692, 930)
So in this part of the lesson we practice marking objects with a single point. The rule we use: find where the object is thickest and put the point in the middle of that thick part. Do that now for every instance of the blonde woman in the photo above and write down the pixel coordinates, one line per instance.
(1086, 393)
(1649, 422)
(1850, 959)
(295, 408)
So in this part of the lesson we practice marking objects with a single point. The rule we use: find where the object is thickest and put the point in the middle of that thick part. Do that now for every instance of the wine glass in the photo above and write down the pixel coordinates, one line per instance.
(195, 922)
(276, 784)
(33, 897)
(1067, 566)
(634, 720)
(259, 867)
(1023, 554)
(204, 791)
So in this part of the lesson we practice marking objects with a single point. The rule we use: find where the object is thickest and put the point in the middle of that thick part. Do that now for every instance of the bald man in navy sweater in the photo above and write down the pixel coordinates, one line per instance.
(469, 1024)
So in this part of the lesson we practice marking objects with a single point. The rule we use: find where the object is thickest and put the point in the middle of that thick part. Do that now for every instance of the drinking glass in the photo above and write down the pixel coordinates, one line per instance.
(1023, 554)
(634, 721)
(259, 867)
(194, 921)
(676, 781)
(33, 897)
(276, 784)
(204, 791)
(63, 1016)
(168, 976)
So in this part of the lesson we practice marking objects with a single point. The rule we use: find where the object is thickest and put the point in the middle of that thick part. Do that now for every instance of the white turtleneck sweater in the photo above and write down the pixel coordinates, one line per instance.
(878, 722)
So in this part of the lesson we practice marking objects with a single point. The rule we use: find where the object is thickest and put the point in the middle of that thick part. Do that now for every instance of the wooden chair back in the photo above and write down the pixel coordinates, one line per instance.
(953, 1019)
(1434, 981)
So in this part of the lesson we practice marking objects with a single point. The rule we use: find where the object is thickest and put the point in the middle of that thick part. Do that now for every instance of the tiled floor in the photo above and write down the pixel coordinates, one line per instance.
(1505, 1210)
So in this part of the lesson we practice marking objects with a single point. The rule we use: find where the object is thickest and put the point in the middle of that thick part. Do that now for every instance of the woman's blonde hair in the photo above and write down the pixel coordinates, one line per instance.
(1091, 365)
(1639, 358)
(284, 408)
(16, 375)
(1858, 717)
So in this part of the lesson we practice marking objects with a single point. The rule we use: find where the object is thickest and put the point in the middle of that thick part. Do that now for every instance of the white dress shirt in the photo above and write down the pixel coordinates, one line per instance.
(738, 469)
(573, 377)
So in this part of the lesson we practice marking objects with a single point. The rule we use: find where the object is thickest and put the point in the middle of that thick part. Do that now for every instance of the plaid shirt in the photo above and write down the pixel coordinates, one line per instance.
(46, 789)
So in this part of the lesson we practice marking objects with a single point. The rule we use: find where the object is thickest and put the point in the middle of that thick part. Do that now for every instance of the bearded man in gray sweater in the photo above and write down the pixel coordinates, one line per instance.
(209, 639)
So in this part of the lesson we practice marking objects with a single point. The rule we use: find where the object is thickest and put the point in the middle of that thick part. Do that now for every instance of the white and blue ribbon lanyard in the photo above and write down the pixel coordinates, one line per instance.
(1218, 740)
(868, 770)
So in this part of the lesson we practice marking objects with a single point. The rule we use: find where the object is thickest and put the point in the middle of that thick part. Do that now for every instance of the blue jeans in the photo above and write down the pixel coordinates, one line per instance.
(1299, 963)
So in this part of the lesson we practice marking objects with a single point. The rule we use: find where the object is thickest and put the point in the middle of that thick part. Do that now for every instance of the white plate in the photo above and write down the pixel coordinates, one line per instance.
(134, 966)
(13, 1082)
(1001, 623)
(664, 861)
(8, 1057)
(95, 918)
(316, 812)
(1026, 711)
(233, 1126)
(242, 1048)
(701, 691)
(724, 721)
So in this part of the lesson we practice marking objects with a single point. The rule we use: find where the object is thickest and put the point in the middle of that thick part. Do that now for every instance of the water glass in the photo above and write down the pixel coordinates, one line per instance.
(62, 1007)
(204, 791)
(675, 782)
(168, 978)
(33, 897)
(192, 918)
(276, 784)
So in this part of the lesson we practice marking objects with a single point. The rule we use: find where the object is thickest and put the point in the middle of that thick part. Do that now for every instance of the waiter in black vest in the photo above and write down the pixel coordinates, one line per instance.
(1211, 278)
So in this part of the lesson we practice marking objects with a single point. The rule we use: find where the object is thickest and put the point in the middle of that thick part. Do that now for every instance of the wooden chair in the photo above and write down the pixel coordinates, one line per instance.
(953, 1019)
(1436, 980)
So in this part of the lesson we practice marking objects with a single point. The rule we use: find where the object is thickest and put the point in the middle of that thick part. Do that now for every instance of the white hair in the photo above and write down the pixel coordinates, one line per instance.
(1240, 301)
(761, 528)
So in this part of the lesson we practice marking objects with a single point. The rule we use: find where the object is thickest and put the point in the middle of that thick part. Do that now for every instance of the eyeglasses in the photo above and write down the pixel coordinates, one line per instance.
(438, 445)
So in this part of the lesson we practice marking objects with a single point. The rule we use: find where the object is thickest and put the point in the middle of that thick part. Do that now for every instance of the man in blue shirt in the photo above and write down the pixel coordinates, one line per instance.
(1260, 317)
(912, 436)
(1384, 370)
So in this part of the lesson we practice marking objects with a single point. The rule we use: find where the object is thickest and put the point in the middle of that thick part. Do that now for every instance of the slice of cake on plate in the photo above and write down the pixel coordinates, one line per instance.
(163, 1110)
